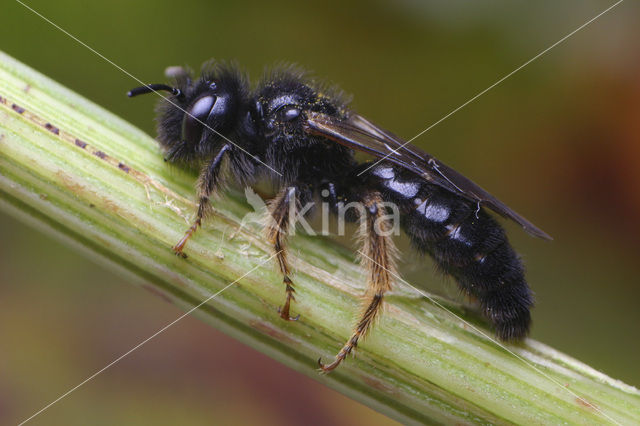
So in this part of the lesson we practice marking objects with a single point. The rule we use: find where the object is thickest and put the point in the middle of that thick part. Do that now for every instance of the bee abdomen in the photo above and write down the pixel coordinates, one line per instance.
(477, 254)
(466, 243)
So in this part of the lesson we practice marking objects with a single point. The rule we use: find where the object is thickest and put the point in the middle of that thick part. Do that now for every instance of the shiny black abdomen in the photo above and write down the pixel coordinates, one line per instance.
(465, 241)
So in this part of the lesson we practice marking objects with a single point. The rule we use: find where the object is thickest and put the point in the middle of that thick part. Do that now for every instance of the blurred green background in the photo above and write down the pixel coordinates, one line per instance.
(559, 141)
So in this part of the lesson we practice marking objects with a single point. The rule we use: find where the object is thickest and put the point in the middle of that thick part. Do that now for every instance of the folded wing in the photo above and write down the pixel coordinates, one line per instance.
(360, 134)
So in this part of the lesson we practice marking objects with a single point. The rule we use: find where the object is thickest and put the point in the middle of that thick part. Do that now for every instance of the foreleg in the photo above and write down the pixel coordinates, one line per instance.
(208, 184)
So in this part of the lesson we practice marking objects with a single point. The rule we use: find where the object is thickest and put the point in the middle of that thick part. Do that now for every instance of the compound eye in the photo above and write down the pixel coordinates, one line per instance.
(192, 126)
(289, 113)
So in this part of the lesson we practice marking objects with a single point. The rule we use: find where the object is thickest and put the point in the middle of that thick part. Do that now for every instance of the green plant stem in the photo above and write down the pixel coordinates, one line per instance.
(75, 170)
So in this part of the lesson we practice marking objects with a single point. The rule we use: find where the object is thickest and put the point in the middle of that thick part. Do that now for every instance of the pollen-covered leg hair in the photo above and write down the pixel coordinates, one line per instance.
(377, 258)
(278, 222)
(208, 184)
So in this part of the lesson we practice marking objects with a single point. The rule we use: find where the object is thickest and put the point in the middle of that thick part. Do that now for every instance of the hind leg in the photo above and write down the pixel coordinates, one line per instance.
(377, 256)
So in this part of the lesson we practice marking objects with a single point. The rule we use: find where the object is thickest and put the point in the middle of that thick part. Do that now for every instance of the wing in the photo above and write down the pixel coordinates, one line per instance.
(360, 134)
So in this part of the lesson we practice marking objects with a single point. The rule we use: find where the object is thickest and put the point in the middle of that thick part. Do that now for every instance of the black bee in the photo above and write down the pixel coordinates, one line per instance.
(301, 135)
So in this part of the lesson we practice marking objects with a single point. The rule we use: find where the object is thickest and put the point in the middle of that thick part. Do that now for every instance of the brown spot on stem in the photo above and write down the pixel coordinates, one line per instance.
(81, 144)
(53, 129)
(123, 167)
(70, 183)
(270, 331)
(100, 154)
(377, 384)
(17, 108)
(109, 205)
(43, 196)
(583, 402)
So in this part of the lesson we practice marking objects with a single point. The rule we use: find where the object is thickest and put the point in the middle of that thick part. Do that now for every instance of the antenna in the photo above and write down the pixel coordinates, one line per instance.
(153, 88)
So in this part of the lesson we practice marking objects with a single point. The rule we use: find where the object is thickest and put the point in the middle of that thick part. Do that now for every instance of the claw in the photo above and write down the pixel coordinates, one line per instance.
(324, 369)
(284, 313)
(177, 250)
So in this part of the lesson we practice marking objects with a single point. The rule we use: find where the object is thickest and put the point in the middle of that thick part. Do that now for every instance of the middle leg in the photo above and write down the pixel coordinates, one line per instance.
(282, 211)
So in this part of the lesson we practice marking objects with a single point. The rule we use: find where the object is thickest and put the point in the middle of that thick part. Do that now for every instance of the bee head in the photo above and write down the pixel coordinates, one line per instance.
(198, 114)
